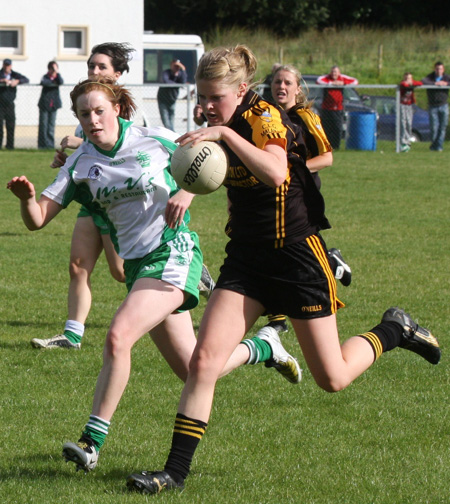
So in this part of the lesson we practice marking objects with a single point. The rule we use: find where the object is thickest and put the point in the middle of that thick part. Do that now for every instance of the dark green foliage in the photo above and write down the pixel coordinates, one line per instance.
(201, 16)
(288, 17)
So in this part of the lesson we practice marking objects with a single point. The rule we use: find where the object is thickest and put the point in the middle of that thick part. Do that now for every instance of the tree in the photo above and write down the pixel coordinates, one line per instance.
(198, 16)
(288, 17)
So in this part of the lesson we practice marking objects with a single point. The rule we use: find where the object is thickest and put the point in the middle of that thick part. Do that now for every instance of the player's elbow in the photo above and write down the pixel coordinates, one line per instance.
(277, 182)
(33, 226)
(278, 178)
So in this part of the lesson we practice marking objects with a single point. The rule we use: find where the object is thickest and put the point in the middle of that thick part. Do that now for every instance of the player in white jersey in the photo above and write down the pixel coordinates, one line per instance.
(124, 186)
(91, 233)
(122, 173)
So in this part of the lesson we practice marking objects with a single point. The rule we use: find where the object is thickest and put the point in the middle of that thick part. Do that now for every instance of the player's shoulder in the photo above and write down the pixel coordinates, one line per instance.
(84, 149)
(266, 111)
(157, 131)
(308, 115)
(156, 136)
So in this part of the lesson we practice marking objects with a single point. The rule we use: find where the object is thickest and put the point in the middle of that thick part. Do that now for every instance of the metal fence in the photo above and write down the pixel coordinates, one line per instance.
(27, 112)
(370, 120)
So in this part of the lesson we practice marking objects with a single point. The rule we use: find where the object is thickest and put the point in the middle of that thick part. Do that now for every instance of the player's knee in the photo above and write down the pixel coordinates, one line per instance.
(331, 384)
(202, 367)
(116, 343)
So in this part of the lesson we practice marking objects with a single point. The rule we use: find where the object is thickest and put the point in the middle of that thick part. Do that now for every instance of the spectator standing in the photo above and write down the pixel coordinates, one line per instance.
(167, 96)
(437, 105)
(332, 113)
(407, 100)
(49, 103)
(9, 80)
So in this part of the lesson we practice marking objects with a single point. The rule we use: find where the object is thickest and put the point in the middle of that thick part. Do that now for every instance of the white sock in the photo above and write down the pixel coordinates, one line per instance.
(75, 327)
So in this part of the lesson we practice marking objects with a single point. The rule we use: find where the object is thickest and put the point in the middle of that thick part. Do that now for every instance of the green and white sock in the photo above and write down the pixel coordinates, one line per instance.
(260, 350)
(97, 430)
(73, 331)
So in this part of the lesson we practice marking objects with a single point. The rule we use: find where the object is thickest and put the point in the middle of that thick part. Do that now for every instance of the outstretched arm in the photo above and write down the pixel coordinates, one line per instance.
(35, 214)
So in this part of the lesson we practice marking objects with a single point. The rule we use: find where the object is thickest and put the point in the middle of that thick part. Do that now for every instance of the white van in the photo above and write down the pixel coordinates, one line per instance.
(158, 52)
(161, 50)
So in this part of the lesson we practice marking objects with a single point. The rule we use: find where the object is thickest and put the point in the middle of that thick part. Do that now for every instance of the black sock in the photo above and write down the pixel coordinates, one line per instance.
(384, 337)
(187, 434)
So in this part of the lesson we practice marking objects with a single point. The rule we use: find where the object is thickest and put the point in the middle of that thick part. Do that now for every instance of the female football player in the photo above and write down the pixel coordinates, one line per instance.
(91, 233)
(276, 260)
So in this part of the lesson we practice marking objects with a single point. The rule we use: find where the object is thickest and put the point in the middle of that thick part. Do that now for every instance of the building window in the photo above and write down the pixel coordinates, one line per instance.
(12, 40)
(74, 41)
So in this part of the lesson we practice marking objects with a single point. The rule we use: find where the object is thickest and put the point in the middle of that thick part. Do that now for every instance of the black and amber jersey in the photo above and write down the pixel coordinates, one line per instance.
(314, 136)
(273, 217)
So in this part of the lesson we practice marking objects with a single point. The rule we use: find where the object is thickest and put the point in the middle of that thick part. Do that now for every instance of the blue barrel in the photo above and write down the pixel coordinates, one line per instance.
(361, 131)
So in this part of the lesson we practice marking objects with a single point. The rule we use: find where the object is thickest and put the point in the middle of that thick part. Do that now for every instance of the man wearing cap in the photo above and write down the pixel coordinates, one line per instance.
(167, 96)
(9, 80)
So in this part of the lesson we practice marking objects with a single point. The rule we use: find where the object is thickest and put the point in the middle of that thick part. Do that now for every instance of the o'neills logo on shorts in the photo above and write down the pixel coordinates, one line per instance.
(196, 165)
(311, 309)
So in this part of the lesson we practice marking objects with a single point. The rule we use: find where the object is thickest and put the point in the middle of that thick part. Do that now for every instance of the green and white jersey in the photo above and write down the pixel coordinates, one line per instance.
(129, 186)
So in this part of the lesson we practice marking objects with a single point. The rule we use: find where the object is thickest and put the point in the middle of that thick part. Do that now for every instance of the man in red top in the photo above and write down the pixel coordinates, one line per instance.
(407, 99)
(332, 113)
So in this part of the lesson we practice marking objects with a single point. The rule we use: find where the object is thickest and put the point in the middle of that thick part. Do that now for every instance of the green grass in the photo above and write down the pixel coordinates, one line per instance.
(383, 440)
(374, 56)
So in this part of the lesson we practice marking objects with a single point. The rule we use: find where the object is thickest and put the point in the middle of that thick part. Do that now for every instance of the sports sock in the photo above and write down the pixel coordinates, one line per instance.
(73, 331)
(187, 434)
(384, 337)
(260, 351)
(97, 430)
(276, 318)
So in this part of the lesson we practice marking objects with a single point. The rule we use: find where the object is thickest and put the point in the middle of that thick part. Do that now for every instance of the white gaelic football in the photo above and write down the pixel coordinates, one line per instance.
(200, 168)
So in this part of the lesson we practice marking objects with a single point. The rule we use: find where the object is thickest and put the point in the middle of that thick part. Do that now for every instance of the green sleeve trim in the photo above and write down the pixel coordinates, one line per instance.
(166, 143)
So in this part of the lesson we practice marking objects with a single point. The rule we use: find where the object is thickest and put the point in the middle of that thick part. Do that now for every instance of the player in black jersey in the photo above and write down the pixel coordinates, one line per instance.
(276, 261)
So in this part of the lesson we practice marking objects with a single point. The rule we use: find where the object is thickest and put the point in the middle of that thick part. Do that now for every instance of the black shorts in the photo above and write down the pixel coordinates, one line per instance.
(295, 280)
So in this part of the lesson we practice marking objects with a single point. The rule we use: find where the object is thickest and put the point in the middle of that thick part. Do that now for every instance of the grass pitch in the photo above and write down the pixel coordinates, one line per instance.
(383, 440)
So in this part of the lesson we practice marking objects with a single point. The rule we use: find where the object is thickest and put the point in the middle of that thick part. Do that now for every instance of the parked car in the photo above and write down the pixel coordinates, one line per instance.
(386, 110)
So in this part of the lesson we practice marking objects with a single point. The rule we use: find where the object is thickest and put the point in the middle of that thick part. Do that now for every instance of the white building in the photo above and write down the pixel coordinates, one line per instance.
(34, 33)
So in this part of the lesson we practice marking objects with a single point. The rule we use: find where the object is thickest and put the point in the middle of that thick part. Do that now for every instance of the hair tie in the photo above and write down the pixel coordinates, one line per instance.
(100, 84)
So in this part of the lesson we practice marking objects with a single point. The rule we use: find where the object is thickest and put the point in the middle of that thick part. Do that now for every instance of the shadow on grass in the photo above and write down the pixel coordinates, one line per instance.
(52, 465)
(10, 234)
(17, 323)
